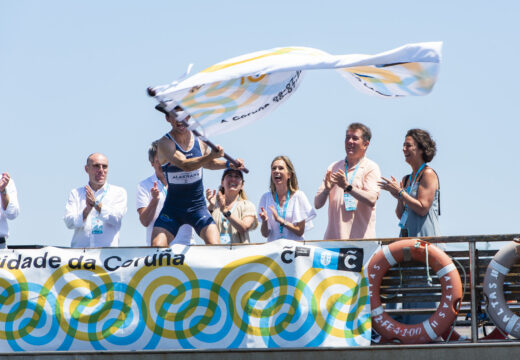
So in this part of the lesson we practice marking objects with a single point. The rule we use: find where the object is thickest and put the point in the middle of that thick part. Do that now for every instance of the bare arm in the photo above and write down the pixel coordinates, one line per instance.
(217, 163)
(264, 229)
(297, 228)
(425, 194)
(400, 202)
(241, 225)
(146, 214)
(167, 153)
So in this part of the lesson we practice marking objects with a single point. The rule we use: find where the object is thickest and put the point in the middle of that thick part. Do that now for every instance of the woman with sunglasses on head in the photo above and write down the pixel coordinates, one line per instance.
(285, 211)
(234, 215)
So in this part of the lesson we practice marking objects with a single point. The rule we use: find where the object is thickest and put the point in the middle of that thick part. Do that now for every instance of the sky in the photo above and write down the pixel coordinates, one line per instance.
(73, 79)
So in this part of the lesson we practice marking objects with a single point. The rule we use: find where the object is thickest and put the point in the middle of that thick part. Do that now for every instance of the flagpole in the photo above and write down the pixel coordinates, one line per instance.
(161, 108)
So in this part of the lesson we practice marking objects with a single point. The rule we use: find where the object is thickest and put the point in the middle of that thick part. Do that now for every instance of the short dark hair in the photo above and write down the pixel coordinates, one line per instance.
(367, 134)
(152, 151)
(425, 142)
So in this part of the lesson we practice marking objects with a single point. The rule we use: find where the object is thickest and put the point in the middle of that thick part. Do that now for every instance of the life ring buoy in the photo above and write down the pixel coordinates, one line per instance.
(495, 334)
(446, 313)
(497, 308)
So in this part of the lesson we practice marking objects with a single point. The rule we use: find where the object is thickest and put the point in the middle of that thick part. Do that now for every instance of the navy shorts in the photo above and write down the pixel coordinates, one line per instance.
(198, 218)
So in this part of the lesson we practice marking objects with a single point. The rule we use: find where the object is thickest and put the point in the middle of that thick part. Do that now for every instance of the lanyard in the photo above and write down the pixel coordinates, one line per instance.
(103, 195)
(412, 183)
(353, 174)
(284, 207)
(164, 188)
(225, 221)
(97, 223)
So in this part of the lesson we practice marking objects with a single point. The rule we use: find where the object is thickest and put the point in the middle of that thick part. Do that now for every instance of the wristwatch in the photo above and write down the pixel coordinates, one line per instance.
(348, 188)
(227, 214)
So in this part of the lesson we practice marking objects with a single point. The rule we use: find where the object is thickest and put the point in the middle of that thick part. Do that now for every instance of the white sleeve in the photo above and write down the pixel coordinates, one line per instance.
(303, 210)
(12, 210)
(112, 211)
(143, 196)
(73, 214)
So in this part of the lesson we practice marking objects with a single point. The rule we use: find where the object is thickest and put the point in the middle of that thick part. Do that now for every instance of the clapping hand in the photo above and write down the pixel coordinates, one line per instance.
(390, 185)
(221, 200)
(212, 198)
(339, 178)
(328, 180)
(276, 217)
(4, 181)
(90, 197)
(263, 214)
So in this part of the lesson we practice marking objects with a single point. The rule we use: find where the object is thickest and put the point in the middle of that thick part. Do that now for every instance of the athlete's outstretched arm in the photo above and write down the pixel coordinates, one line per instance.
(219, 164)
(167, 153)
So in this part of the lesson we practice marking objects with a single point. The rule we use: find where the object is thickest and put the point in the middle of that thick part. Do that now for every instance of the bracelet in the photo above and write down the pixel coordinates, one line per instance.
(227, 164)
(401, 193)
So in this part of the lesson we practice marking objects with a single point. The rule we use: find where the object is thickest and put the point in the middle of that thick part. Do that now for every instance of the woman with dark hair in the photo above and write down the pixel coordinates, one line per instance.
(234, 215)
(418, 201)
(285, 211)
(418, 206)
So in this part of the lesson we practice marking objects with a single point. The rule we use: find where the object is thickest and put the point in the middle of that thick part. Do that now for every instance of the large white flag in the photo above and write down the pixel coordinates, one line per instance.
(243, 89)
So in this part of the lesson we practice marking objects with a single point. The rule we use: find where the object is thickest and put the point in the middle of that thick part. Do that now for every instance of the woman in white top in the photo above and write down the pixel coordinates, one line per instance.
(234, 215)
(285, 211)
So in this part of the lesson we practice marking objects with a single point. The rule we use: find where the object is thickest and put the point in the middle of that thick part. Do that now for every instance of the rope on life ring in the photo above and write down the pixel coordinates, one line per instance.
(445, 314)
(497, 308)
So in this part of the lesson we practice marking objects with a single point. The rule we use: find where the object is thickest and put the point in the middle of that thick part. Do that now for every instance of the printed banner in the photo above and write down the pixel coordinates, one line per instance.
(241, 90)
(280, 294)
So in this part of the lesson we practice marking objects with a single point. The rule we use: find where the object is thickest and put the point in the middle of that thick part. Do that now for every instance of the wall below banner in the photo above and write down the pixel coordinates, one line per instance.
(464, 351)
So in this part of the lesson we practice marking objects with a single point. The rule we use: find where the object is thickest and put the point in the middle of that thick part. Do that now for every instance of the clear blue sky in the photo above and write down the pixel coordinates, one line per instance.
(73, 77)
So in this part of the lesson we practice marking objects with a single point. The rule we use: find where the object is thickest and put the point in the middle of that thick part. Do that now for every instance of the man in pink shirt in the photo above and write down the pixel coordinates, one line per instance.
(352, 190)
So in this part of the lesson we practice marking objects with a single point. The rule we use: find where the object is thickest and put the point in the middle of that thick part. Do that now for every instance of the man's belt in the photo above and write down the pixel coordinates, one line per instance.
(2, 240)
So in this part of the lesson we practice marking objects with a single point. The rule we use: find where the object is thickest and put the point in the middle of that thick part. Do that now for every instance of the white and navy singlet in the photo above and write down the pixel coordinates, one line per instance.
(185, 202)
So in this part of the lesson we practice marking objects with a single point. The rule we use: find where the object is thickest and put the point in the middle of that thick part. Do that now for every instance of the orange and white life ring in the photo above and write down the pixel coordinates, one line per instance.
(497, 308)
(446, 313)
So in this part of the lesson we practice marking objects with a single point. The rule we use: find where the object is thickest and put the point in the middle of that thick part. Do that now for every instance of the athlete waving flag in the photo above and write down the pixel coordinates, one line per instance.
(238, 91)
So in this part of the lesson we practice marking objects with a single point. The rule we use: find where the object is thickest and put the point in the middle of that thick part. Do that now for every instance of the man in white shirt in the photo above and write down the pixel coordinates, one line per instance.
(95, 211)
(9, 208)
(151, 194)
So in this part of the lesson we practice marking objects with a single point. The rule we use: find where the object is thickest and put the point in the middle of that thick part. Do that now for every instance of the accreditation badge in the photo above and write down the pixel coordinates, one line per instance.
(97, 225)
(350, 202)
(404, 217)
(225, 238)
